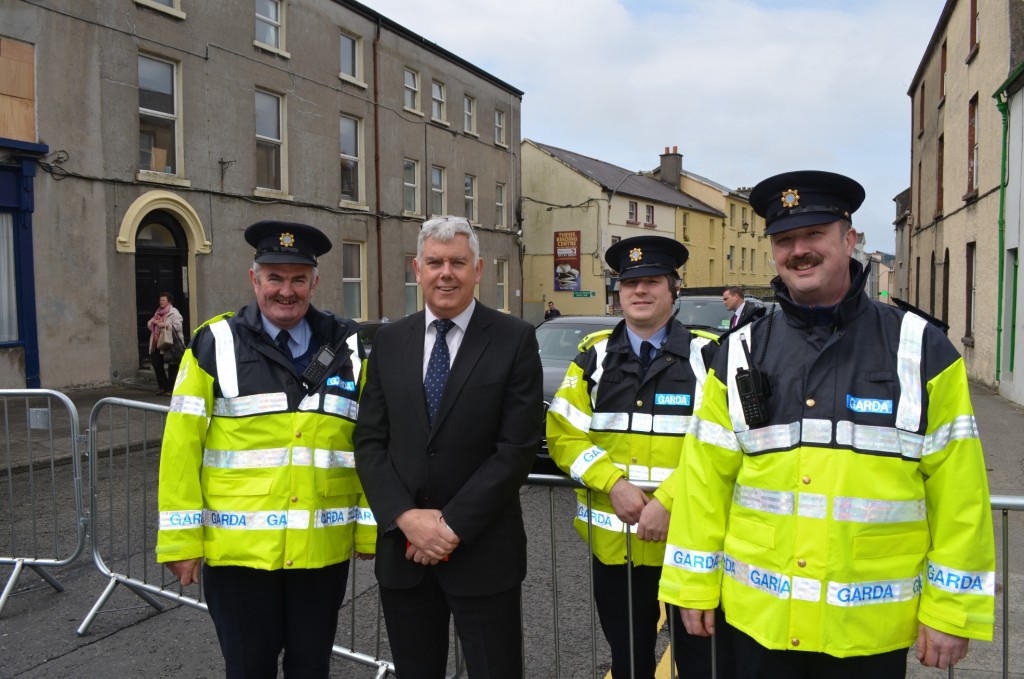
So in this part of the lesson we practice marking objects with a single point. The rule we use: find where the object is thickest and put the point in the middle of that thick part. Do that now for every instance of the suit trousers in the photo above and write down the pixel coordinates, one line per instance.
(489, 629)
(259, 613)
(692, 654)
(754, 661)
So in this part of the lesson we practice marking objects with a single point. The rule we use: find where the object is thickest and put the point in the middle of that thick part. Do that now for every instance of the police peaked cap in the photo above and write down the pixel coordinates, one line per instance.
(646, 256)
(286, 242)
(792, 200)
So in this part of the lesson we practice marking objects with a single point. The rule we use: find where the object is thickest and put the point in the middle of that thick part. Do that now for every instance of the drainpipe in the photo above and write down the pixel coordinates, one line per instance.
(376, 173)
(1000, 98)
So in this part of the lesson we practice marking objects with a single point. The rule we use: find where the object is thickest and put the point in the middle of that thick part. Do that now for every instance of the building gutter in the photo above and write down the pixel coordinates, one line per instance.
(1000, 95)
(376, 171)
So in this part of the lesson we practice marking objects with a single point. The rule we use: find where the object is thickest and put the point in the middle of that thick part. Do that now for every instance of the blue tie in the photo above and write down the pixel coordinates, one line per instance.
(645, 354)
(282, 340)
(437, 367)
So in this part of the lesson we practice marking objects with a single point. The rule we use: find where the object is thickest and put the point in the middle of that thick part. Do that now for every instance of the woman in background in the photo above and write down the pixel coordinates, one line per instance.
(166, 316)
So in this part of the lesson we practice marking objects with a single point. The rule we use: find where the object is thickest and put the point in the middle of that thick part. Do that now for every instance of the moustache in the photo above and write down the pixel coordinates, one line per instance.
(808, 260)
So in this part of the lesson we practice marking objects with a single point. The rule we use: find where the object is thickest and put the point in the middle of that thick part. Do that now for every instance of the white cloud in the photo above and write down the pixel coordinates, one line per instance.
(744, 89)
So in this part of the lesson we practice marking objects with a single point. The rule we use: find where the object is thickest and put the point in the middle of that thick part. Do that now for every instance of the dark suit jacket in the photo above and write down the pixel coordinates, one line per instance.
(749, 313)
(470, 464)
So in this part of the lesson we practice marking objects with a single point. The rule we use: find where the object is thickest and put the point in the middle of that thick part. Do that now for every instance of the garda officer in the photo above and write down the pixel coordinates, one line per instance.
(620, 416)
(836, 464)
(257, 477)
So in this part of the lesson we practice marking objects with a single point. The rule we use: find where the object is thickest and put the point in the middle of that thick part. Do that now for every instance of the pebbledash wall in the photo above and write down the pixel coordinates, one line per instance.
(106, 228)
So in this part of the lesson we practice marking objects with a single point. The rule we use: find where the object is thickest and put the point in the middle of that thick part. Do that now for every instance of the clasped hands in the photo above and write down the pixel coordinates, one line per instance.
(429, 539)
(633, 507)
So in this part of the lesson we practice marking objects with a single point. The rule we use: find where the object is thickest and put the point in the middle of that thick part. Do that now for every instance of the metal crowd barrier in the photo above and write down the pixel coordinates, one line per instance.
(38, 489)
(44, 493)
(124, 440)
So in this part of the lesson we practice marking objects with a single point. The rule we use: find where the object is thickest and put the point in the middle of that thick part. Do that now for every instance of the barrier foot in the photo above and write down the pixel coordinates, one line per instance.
(114, 580)
(45, 575)
(11, 581)
(382, 671)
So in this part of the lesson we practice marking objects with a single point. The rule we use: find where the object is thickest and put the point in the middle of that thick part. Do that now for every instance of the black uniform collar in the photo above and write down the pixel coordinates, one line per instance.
(852, 305)
(677, 339)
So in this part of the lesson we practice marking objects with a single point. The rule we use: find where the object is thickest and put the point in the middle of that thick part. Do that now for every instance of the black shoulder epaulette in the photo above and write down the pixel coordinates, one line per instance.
(906, 306)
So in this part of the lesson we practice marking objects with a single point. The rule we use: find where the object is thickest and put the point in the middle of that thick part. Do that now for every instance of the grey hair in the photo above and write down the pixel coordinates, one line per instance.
(444, 229)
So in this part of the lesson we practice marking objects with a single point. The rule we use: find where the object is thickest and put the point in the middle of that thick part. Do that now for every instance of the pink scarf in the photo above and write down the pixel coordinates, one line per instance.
(155, 324)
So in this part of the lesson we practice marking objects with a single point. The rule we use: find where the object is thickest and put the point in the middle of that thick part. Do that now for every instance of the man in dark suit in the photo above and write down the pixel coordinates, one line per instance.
(450, 422)
(742, 313)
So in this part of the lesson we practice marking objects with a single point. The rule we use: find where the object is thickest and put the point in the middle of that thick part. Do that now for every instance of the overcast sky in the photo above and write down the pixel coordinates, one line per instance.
(745, 88)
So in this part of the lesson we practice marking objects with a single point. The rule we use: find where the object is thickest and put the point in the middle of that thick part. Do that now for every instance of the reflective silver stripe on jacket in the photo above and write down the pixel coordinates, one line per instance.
(908, 369)
(639, 472)
(337, 516)
(334, 459)
(600, 349)
(188, 405)
(604, 520)
(813, 506)
(576, 417)
(714, 434)
(961, 582)
(255, 404)
(181, 519)
(963, 427)
(878, 592)
(224, 350)
(880, 439)
(610, 421)
(365, 517)
(769, 582)
(700, 372)
(245, 459)
(584, 461)
(293, 518)
(737, 360)
(693, 561)
(341, 406)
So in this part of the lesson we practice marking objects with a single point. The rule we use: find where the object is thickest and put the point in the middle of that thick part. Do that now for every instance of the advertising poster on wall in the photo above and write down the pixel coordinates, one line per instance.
(567, 260)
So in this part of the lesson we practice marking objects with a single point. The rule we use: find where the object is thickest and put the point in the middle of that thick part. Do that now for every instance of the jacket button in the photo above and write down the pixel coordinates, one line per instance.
(298, 434)
(801, 563)
(806, 480)
(794, 641)
(668, 359)
(810, 403)
(289, 562)
(295, 498)
(634, 460)
(639, 404)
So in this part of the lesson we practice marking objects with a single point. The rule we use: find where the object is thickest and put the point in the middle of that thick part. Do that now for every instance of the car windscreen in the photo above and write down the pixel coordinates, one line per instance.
(561, 342)
(709, 313)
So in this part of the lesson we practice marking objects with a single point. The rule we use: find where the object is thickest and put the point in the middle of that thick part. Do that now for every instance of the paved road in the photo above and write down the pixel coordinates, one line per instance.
(131, 639)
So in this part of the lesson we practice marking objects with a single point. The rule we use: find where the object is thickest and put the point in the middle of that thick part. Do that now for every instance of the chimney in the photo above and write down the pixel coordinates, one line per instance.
(671, 166)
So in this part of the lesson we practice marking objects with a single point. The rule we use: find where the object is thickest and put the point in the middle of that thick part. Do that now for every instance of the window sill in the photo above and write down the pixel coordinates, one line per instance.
(413, 215)
(970, 196)
(973, 53)
(632, 222)
(501, 144)
(151, 177)
(353, 205)
(438, 121)
(413, 111)
(271, 49)
(471, 133)
(163, 9)
(352, 81)
(650, 225)
(271, 193)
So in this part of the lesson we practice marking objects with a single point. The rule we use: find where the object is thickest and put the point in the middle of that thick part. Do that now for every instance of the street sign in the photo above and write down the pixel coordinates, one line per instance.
(584, 293)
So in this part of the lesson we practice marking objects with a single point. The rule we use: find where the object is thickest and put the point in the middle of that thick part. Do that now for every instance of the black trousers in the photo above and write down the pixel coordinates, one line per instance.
(164, 378)
(692, 654)
(489, 629)
(754, 661)
(260, 613)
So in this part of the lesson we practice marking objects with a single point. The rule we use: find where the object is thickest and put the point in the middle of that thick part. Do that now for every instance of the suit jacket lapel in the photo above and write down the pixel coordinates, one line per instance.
(470, 351)
(412, 365)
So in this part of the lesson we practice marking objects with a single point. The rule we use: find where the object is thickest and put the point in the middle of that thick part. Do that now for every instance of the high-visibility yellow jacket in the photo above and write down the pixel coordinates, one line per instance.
(256, 469)
(860, 508)
(609, 421)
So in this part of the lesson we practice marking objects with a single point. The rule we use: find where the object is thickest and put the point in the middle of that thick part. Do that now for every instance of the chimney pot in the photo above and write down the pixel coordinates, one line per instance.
(675, 149)
(666, 149)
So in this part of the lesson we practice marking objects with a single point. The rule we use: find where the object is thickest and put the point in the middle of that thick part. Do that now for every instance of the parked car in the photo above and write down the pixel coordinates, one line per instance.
(367, 330)
(706, 312)
(558, 340)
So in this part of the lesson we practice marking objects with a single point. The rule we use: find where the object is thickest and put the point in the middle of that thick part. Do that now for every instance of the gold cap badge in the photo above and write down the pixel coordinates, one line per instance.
(636, 254)
(790, 198)
(287, 240)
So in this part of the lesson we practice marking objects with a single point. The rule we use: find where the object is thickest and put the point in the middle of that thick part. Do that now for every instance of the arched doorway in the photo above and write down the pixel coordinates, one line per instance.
(161, 265)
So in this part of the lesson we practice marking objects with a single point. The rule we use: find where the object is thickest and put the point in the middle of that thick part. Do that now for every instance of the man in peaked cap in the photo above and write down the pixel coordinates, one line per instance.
(257, 482)
(836, 467)
(619, 418)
